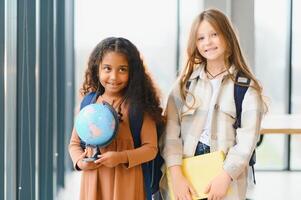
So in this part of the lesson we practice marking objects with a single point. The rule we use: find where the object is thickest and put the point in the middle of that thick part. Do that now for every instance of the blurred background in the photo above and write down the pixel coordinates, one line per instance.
(44, 49)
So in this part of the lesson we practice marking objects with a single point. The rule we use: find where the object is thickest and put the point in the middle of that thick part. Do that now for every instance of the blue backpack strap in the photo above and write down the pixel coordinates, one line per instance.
(239, 94)
(136, 121)
(88, 99)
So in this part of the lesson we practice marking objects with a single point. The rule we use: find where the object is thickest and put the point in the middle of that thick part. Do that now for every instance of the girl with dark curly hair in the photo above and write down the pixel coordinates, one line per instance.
(116, 72)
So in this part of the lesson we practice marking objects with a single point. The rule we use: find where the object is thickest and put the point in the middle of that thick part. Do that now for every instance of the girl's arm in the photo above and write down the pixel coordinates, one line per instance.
(239, 155)
(173, 147)
(148, 149)
(172, 144)
(75, 149)
(218, 187)
(181, 186)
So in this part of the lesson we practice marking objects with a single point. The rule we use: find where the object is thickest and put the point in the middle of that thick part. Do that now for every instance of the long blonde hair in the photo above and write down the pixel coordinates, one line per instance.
(233, 55)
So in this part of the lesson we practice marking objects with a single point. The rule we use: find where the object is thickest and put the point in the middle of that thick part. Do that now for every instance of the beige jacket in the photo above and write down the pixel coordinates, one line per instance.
(184, 127)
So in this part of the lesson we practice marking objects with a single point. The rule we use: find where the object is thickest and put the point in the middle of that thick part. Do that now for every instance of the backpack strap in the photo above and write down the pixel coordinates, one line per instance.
(136, 121)
(189, 83)
(239, 94)
(88, 99)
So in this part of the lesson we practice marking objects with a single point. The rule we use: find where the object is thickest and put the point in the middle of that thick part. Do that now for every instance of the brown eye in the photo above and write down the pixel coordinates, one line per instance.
(106, 68)
(123, 69)
(201, 38)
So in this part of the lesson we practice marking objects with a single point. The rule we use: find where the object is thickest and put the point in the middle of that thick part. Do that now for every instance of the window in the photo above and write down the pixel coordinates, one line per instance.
(271, 57)
(296, 82)
(150, 25)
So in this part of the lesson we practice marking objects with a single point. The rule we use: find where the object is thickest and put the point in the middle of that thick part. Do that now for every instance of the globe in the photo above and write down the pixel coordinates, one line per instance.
(97, 124)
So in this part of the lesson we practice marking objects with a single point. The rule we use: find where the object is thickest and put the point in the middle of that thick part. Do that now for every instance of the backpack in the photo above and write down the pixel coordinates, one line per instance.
(239, 94)
(152, 169)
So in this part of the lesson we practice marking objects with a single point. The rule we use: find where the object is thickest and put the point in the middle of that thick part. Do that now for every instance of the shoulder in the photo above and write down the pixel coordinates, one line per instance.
(174, 96)
(175, 88)
(252, 92)
(197, 72)
(79, 100)
(252, 100)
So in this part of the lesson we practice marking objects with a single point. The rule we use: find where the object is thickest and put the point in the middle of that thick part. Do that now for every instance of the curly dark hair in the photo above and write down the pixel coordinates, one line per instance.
(140, 93)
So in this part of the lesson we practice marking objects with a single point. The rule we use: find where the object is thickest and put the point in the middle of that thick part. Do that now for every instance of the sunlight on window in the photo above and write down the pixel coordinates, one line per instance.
(150, 25)
(271, 47)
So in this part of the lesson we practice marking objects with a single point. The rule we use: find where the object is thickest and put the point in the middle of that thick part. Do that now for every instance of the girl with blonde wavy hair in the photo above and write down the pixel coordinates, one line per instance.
(201, 110)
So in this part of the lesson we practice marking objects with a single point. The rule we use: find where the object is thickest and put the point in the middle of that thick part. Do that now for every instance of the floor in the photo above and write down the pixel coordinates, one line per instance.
(277, 185)
(270, 186)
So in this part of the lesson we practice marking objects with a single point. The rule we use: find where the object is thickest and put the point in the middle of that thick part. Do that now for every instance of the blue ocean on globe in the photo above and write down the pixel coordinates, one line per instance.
(96, 124)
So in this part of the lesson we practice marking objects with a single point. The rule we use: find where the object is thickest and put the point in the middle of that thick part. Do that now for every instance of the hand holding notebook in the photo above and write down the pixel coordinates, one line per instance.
(199, 171)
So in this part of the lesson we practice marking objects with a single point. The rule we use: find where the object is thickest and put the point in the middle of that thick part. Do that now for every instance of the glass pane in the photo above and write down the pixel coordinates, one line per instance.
(296, 152)
(296, 63)
(296, 83)
(271, 47)
(270, 155)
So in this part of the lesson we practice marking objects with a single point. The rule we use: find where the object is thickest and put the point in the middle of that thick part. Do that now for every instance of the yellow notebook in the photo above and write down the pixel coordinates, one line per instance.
(200, 170)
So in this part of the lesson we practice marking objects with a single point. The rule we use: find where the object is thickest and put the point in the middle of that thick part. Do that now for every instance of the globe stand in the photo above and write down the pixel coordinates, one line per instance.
(95, 153)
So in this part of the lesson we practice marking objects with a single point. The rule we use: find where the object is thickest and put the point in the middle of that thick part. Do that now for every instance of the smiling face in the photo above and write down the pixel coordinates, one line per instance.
(210, 43)
(114, 73)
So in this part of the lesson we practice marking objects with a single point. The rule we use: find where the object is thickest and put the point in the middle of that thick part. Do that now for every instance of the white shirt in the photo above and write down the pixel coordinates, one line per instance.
(206, 132)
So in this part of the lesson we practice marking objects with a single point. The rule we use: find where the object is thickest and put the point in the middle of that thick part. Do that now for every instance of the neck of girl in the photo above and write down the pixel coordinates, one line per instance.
(215, 67)
(112, 99)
